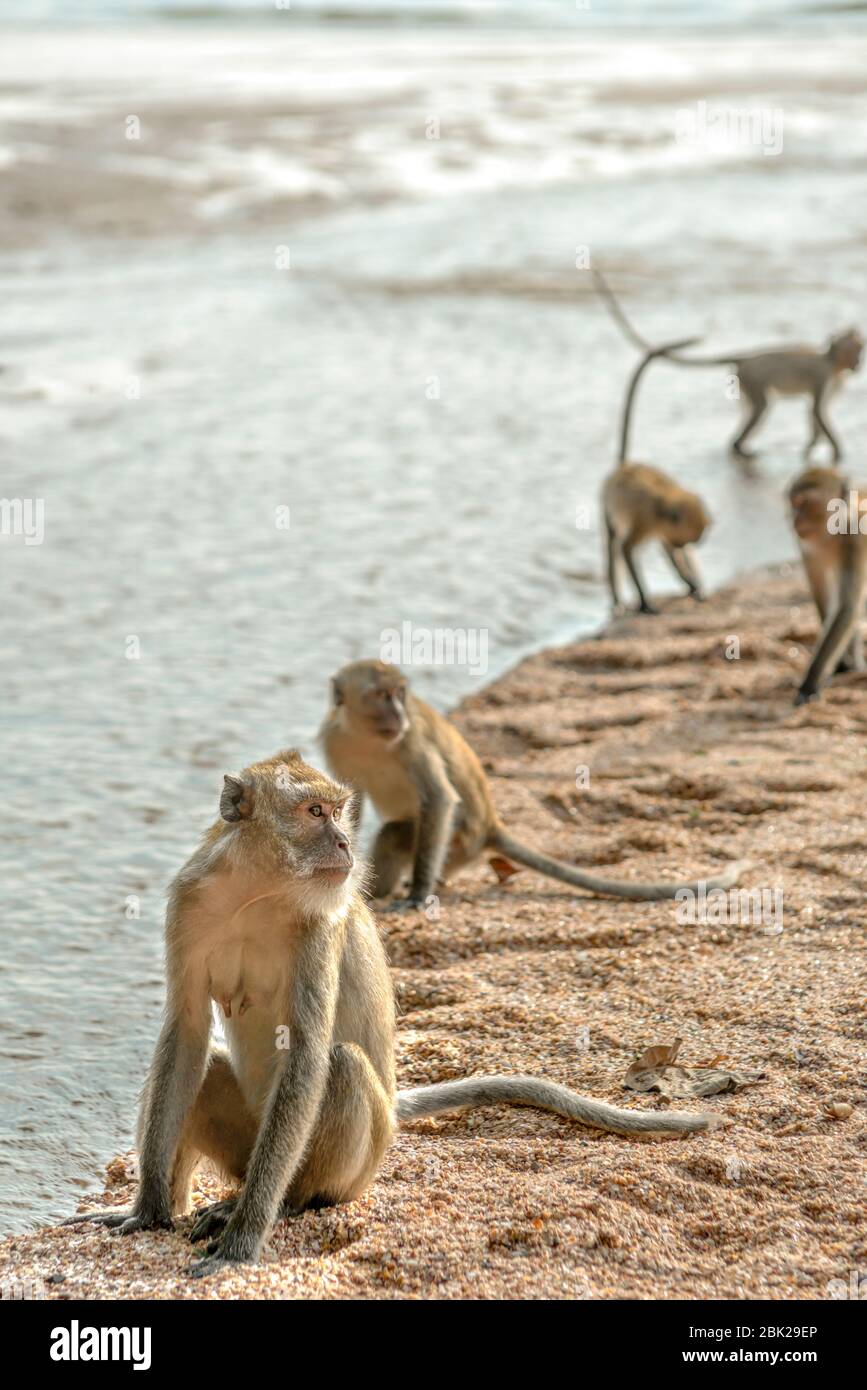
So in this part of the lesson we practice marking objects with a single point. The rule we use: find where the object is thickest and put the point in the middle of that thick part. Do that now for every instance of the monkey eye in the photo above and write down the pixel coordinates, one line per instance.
(336, 813)
(315, 810)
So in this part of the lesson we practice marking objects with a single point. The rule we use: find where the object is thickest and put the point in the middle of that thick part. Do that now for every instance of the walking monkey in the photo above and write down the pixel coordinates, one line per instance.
(793, 370)
(430, 790)
(826, 517)
(267, 920)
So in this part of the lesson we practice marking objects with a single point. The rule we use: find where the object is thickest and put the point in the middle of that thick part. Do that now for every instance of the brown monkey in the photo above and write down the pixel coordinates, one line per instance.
(267, 921)
(827, 517)
(640, 503)
(795, 370)
(430, 790)
(798, 370)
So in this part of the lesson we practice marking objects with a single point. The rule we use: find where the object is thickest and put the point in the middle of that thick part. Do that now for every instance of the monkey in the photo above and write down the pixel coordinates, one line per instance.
(430, 790)
(640, 503)
(267, 921)
(835, 561)
(793, 370)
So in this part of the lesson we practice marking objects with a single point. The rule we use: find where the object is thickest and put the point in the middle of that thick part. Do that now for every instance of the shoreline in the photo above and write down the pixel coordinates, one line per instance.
(692, 758)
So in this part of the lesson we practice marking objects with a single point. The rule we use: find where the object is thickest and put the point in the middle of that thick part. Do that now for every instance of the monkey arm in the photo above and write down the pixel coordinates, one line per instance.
(838, 632)
(295, 1101)
(816, 568)
(175, 1078)
(176, 1073)
(439, 801)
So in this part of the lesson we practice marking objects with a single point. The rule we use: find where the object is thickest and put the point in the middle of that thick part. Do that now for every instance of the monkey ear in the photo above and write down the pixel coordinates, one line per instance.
(236, 798)
(336, 692)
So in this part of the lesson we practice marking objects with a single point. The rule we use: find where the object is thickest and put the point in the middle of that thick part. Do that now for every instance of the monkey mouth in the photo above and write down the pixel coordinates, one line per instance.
(391, 731)
(338, 872)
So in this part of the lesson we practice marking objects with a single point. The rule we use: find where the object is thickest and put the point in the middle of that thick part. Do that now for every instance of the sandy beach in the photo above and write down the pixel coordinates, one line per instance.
(681, 733)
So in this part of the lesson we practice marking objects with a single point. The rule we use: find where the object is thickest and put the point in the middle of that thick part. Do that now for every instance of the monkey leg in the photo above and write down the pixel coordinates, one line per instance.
(759, 407)
(392, 856)
(629, 557)
(352, 1132)
(853, 657)
(221, 1126)
(821, 427)
(684, 567)
(612, 548)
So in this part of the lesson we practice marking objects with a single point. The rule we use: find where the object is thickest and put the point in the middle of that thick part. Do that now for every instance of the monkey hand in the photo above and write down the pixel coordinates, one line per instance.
(805, 694)
(235, 1246)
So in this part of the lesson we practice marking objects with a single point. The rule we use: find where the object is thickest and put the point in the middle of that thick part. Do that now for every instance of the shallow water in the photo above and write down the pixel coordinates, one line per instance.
(429, 388)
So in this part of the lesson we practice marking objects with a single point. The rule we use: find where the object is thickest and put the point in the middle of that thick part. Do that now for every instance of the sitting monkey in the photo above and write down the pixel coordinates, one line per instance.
(267, 921)
(432, 794)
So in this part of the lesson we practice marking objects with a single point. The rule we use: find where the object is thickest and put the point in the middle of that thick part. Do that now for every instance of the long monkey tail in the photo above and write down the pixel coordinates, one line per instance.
(477, 1091)
(614, 888)
(629, 332)
(664, 350)
(632, 335)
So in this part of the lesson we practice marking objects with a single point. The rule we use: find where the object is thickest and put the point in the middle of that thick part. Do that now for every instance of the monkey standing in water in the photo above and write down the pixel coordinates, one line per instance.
(797, 370)
(267, 920)
(430, 790)
(640, 503)
(835, 561)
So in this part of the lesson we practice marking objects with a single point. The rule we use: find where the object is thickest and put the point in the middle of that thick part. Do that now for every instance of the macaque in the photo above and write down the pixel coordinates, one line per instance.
(640, 503)
(267, 922)
(790, 371)
(827, 521)
(430, 790)
(795, 370)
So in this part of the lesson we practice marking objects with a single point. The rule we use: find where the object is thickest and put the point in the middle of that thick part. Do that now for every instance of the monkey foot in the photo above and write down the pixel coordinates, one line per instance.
(402, 905)
(648, 608)
(125, 1223)
(211, 1264)
(804, 697)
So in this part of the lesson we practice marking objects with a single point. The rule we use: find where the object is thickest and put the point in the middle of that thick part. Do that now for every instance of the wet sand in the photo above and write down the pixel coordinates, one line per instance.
(693, 758)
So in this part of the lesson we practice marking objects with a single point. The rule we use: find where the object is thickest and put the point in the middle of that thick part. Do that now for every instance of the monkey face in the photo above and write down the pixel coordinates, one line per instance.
(809, 497)
(374, 694)
(809, 513)
(847, 350)
(384, 706)
(686, 521)
(294, 814)
(322, 839)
